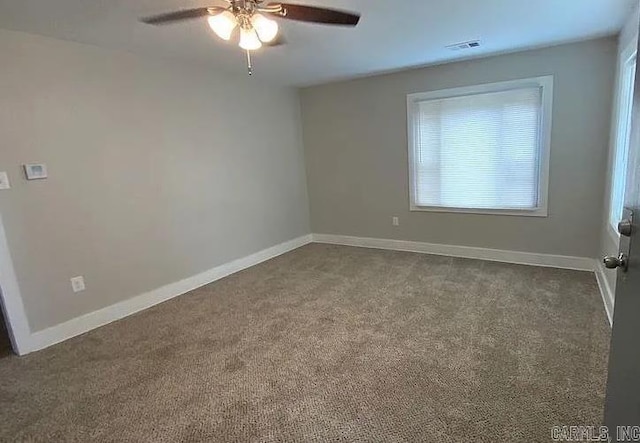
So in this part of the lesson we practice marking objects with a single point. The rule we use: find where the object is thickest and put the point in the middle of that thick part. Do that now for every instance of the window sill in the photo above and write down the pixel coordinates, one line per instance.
(539, 212)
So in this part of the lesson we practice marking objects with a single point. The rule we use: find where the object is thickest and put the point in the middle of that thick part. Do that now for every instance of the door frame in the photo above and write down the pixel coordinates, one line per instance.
(11, 300)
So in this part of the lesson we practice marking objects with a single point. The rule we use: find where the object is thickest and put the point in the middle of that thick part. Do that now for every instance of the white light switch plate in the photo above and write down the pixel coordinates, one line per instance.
(4, 181)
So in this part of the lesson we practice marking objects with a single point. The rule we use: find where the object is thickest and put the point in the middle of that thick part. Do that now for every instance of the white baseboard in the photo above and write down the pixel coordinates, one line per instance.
(80, 325)
(605, 290)
(522, 258)
(64, 331)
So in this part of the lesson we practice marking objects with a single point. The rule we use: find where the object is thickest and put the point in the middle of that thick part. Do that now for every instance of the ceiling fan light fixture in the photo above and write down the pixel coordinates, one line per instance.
(223, 24)
(249, 39)
(254, 20)
(267, 29)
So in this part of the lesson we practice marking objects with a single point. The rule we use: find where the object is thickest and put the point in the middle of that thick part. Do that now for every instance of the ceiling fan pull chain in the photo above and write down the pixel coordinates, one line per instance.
(249, 66)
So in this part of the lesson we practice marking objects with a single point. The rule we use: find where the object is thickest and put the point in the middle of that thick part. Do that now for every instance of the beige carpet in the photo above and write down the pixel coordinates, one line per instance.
(330, 343)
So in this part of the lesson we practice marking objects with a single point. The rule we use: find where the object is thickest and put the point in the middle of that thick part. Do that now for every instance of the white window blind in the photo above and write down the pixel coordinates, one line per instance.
(627, 74)
(480, 150)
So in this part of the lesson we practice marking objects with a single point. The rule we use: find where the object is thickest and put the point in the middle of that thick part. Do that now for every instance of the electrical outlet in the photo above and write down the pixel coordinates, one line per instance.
(77, 284)
(396, 221)
(4, 181)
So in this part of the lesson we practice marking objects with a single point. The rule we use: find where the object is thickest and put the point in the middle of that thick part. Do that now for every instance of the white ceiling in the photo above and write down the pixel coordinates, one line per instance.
(392, 34)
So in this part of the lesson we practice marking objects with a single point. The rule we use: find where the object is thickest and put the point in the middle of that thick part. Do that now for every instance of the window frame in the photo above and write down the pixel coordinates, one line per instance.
(621, 129)
(546, 85)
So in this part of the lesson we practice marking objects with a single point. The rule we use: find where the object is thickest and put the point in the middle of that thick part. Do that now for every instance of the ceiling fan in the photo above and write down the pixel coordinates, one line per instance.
(251, 17)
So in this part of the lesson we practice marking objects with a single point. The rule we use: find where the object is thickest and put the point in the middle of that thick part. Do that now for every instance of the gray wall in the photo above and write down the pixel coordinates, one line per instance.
(157, 172)
(355, 140)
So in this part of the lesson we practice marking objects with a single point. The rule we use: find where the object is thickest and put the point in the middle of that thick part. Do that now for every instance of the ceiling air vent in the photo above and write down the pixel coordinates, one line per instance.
(464, 45)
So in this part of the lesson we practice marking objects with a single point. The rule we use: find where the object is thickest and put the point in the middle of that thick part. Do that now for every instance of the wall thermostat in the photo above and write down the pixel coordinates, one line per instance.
(35, 171)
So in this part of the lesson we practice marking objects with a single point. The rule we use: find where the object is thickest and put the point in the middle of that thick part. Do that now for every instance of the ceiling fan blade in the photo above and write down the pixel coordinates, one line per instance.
(314, 14)
(185, 14)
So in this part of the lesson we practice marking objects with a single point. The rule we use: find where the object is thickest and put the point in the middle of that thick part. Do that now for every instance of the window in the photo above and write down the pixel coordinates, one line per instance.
(627, 73)
(481, 149)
